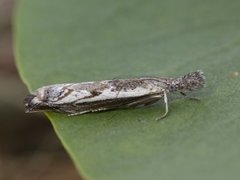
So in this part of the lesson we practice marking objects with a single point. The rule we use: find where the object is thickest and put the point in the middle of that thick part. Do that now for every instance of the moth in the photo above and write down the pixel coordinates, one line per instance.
(85, 97)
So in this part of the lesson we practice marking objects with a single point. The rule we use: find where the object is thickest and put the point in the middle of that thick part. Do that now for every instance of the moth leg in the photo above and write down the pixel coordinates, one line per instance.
(154, 100)
(84, 112)
(182, 93)
(145, 101)
(166, 106)
(78, 113)
(99, 109)
(191, 98)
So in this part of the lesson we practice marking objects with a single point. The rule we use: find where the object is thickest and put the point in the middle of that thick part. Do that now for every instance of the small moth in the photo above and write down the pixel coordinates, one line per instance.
(80, 98)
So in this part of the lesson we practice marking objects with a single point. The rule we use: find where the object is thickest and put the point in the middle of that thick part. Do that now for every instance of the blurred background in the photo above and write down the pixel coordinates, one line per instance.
(29, 148)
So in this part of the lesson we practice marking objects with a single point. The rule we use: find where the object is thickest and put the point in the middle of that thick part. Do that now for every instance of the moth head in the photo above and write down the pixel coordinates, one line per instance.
(188, 82)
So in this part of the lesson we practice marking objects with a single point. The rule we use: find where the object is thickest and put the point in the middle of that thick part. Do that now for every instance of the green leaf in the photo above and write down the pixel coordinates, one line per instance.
(75, 41)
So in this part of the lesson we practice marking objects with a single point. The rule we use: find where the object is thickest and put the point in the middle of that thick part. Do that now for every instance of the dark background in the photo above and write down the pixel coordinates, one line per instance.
(29, 148)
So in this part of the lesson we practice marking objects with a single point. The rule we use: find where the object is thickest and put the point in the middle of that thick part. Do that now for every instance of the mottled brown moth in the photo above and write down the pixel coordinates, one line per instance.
(85, 97)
